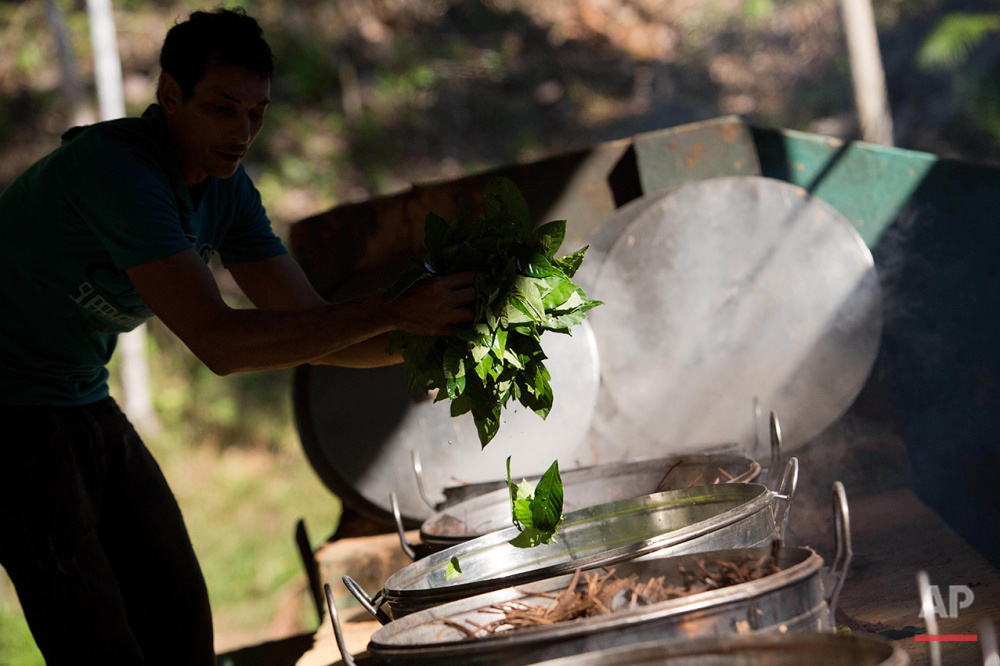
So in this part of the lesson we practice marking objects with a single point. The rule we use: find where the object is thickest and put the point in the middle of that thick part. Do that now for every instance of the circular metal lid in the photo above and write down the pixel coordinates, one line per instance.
(722, 291)
(359, 428)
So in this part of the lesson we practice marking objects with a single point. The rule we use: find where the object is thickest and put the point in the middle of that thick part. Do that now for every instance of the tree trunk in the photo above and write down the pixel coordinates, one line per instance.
(870, 95)
(137, 399)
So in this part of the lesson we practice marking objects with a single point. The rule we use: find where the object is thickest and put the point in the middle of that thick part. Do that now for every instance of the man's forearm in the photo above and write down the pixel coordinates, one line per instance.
(370, 353)
(293, 326)
(344, 334)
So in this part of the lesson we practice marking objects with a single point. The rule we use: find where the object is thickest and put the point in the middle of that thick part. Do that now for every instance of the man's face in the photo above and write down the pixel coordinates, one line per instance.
(213, 129)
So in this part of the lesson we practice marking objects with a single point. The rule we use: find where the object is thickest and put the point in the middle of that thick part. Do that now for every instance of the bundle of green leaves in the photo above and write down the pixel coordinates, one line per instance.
(522, 290)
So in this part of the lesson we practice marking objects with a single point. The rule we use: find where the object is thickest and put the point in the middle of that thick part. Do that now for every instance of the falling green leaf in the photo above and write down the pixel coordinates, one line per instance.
(547, 503)
(536, 510)
(454, 570)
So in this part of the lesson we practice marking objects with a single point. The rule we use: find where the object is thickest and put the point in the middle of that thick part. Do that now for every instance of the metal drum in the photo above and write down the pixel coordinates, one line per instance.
(672, 522)
(584, 487)
(815, 649)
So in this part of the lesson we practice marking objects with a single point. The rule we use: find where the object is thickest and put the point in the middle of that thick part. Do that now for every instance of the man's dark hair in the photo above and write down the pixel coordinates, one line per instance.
(223, 36)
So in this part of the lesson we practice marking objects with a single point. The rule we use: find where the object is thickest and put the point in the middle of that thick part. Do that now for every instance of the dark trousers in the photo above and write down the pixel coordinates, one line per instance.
(94, 542)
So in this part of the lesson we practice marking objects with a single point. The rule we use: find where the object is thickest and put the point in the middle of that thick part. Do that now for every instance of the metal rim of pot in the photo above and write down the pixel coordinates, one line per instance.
(697, 535)
(714, 646)
(794, 577)
(810, 646)
(432, 542)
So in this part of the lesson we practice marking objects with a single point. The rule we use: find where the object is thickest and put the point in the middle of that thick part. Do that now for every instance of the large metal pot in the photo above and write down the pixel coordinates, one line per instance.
(668, 523)
(760, 649)
(800, 598)
(479, 511)
(794, 599)
(583, 487)
(456, 494)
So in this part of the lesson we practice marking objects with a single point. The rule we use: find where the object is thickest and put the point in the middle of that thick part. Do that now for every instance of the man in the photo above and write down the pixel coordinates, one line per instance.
(114, 227)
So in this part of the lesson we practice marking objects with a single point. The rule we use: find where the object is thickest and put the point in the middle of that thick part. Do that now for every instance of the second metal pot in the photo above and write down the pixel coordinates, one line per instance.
(668, 523)
(600, 484)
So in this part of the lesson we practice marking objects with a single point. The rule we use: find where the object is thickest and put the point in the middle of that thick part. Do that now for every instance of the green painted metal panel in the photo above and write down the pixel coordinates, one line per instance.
(868, 183)
(710, 149)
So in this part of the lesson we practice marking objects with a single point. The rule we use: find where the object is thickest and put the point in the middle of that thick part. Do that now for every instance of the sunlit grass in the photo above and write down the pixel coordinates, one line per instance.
(17, 648)
(241, 507)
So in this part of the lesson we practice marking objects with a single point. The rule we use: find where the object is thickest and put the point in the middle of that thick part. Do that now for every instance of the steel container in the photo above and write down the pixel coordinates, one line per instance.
(662, 524)
(801, 597)
(771, 620)
(790, 600)
(583, 487)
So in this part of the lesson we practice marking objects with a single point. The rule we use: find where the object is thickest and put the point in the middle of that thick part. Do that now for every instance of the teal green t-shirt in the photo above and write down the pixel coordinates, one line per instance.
(112, 196)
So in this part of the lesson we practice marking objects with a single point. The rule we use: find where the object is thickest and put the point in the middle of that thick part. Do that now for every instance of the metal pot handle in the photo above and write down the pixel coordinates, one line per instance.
(844, 552)
(418, 471)
(930, 620)
(403, 542)
(747, 476)
(988, 639)
(771, 479)
(373, 606)
(337, 631)
(414, 551)
(786, 494)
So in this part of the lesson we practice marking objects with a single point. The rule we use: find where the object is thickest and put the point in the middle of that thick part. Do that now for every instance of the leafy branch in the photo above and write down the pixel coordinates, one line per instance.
(955, 36)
